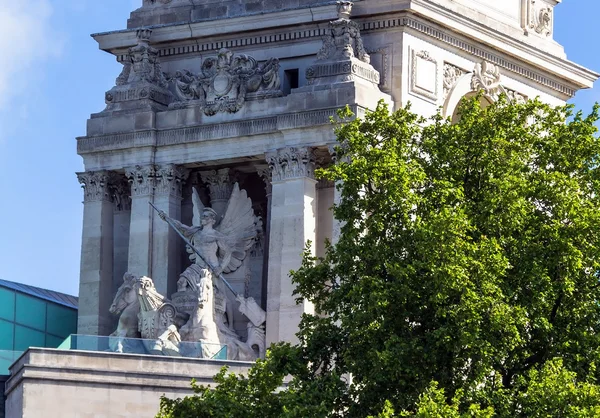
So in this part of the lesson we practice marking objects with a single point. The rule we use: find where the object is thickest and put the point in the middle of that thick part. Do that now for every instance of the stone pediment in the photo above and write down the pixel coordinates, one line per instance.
(225, 82)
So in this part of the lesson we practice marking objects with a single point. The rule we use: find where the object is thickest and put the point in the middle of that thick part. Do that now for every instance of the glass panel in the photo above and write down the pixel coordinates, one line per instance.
(7, 358)
(7, 330)
(27, 337)
(31, 312)
(52, 341)
(140, 346)
(7, 304)
(61, 321)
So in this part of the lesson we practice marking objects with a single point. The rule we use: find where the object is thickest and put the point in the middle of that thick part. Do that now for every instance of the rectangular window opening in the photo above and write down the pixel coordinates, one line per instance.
(291, 79)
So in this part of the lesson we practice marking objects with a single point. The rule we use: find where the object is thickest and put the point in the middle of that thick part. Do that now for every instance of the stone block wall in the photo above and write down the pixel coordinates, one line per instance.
(182, 12)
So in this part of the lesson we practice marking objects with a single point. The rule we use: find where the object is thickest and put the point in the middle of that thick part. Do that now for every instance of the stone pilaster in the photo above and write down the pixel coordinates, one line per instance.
(292, 223)
(220, 187)
(166, 244)
(141, 179)
(264, 171)
(96, 270)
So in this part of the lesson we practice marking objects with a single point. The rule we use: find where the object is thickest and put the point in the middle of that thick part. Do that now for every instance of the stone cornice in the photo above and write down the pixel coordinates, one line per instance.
(95, 144)
(561, 75)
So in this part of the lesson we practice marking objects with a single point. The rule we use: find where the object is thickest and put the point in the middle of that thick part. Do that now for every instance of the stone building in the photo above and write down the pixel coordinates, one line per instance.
(218, 93)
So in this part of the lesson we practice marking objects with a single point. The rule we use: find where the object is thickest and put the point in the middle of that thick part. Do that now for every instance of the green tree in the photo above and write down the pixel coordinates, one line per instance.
(464, 282)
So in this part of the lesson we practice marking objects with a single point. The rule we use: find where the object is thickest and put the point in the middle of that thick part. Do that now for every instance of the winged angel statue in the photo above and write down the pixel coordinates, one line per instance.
(223, 246)
(220, 247)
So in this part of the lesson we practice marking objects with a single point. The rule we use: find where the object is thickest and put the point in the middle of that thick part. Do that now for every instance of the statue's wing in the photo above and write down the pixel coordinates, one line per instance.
(239, 226)
(198, 208)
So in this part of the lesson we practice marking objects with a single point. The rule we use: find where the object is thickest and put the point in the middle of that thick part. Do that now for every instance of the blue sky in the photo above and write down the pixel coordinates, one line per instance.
(53, 76)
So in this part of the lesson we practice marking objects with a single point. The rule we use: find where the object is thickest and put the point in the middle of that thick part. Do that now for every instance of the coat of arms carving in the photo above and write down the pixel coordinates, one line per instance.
(226, 81)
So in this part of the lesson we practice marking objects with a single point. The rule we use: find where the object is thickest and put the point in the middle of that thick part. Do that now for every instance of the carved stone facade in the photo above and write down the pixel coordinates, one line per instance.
(204, 101)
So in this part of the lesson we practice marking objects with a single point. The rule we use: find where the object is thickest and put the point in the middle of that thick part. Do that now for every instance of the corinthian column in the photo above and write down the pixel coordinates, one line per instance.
(96, 270)
(292, 223)
(142, 183)
(166, 244)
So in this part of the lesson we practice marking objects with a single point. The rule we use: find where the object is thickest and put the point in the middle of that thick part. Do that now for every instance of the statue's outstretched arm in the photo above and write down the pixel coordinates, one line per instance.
(187, 231)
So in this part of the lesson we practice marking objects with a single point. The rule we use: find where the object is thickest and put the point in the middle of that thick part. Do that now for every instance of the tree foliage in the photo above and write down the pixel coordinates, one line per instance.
(464, 282)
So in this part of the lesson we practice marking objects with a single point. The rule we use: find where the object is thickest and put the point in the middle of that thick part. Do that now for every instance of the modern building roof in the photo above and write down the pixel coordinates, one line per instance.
(49, 295)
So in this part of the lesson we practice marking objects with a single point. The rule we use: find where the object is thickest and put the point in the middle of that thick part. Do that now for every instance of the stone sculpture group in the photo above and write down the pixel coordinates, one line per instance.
(198, 319)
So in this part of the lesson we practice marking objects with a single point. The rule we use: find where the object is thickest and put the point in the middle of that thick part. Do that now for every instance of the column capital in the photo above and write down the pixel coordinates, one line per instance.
(219, 183)
(264, 172)
(120, 190)
(291, 162)
(96, 185)
(169, 179)
(141, 179)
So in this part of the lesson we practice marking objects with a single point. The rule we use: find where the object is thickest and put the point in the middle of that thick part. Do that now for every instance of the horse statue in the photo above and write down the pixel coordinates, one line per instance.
(203, 327)
(127, 306)
(143, 313)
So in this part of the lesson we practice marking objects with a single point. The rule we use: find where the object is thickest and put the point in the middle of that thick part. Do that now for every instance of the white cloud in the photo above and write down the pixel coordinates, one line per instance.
(26, 40)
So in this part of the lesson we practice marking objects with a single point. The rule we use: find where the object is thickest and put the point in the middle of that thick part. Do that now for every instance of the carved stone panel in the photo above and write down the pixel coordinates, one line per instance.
(451, 75)
(424, 75)
(539, 16)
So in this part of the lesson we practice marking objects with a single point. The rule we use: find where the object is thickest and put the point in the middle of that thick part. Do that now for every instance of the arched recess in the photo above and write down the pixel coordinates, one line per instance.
(463, 89)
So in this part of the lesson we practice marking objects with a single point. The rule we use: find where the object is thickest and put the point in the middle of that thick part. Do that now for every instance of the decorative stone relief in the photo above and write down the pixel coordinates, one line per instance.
(169, 179)
(343, 56)
(95, 185)
(264, 173)
(487, 78)
(343, 40)
(451, 75)
(142, 82)
(516, 97)
(141, 179)
(424, 75)
(226, 82)
(540, 16)
(290, 163)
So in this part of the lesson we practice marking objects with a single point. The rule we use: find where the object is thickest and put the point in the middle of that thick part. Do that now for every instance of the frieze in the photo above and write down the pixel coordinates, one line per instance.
(92, 144)
(224, 83)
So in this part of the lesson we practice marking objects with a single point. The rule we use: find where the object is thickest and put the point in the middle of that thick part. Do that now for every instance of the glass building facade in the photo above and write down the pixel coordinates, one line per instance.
(32, 317)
